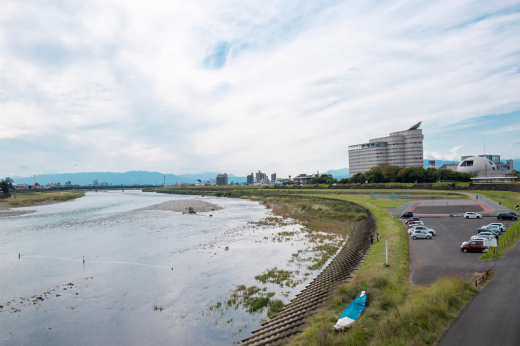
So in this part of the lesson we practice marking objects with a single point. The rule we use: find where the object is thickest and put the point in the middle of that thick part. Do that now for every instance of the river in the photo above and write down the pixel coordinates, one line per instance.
(134, 261)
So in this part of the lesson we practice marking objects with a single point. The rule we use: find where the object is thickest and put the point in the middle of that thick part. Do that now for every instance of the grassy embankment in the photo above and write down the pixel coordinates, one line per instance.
(508, 239)
(397, 312)
(37, 198)
(325, 223)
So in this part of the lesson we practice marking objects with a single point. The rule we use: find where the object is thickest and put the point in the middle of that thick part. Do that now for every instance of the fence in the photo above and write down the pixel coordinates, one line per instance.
(389, 195)
(4, 195)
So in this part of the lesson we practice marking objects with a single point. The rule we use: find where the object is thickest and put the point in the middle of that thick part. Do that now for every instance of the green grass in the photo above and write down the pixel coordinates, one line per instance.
(398, 313)
(36, 198)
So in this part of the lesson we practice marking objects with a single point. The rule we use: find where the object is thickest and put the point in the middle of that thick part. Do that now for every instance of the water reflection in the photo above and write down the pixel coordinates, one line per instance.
(134, 260)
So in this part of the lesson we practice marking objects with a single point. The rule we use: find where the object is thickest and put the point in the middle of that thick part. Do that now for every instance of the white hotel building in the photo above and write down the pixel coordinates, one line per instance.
(402, 148)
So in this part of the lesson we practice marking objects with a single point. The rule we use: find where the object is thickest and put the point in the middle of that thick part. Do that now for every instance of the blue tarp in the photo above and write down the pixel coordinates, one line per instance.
(356, 308)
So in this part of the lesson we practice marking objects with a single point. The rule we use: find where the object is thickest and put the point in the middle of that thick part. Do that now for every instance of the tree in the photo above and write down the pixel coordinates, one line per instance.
(357, 178)
(374, 175)
(400, 175)
(431, 175)
(414, 174)
(390, 173)
(4, 185)
(324, 179)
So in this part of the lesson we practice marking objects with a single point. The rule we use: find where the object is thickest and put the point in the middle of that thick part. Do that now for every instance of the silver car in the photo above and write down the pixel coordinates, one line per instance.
(421, 234)
(501, 225)
(492, 227)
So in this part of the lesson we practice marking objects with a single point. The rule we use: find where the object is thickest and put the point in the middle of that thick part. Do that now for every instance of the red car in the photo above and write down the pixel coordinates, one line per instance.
(474, 246)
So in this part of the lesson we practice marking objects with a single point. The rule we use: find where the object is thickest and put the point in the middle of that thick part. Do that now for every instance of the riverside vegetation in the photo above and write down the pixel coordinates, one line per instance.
(37, 198)
(324, 226)
(397, 311)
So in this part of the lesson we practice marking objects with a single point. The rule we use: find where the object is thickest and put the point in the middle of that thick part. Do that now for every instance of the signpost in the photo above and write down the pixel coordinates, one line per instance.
(386, 247)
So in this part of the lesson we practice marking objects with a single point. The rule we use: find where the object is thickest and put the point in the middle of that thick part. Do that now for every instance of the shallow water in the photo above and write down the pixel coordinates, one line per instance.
(133, 261)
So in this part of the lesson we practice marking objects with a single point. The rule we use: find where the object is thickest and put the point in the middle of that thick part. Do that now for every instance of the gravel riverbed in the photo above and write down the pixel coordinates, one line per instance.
(182, 206)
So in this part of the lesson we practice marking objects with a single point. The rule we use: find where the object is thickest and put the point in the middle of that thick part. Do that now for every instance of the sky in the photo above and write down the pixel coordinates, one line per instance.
(237, 86)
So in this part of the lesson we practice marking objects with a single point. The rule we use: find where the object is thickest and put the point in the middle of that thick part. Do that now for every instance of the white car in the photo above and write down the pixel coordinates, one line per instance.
(486, 235)
(492, 227)
(501, 225)
(421, 228)
(472, 215)
(415, 223)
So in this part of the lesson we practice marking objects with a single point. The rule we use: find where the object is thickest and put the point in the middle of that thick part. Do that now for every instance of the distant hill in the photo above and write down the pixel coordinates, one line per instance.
(127, 178)
(338, 173)
(438, 163)
(203, 176)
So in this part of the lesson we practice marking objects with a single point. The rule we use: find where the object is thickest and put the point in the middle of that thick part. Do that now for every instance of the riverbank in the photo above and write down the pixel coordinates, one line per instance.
(398, 312)
(8, 207)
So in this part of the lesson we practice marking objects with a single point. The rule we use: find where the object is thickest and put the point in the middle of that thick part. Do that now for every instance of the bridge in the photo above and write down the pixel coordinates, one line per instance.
(108, 187)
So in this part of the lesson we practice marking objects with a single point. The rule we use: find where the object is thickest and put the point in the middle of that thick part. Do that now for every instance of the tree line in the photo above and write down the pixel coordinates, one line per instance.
(396, 174)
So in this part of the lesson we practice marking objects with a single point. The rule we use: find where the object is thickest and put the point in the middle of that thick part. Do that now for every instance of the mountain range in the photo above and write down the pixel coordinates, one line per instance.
(145, 177)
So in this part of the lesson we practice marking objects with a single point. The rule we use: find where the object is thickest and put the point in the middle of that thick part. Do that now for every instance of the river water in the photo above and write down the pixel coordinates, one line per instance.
(134, 260)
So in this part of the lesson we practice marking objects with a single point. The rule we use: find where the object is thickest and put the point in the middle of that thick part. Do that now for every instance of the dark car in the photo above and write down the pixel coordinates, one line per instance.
(412, 219)
(407, 214)
(505, 216)
(474, 246)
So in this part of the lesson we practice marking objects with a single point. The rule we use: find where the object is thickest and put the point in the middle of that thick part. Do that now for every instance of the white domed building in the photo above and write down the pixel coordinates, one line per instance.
(483, 170)
(477, 165)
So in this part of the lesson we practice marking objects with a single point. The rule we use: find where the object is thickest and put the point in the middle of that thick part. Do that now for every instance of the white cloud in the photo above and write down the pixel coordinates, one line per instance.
(453, 154)
(121, 85)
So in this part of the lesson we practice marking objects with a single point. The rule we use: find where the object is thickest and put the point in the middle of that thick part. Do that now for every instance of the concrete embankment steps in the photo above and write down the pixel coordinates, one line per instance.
(291, 320)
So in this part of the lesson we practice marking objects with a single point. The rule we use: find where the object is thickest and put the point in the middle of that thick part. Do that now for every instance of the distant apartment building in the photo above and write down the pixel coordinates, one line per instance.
(222, 179)
(250, 179)
(273, 177)
(259, 176)
(212, 182)
(95, 183)
(68, 183)
(103, 184)
(402, 148)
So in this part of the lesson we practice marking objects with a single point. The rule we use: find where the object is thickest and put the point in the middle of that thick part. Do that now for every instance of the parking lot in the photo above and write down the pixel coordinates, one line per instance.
(440, 256)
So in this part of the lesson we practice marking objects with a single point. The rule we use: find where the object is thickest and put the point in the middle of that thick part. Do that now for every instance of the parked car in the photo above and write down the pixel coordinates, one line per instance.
(420, 234)
(482, 235)
(492, 227)
(472, 215)
(477, 237)
(412, 219)
(505, 216)
(406, 215)
(415, 223)
(474, 246)
(500, 225)
(488, 231)
(423, 228)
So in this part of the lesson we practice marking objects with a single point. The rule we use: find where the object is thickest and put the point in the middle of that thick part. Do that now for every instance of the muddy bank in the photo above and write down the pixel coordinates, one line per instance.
(183, 206)
(5, 211)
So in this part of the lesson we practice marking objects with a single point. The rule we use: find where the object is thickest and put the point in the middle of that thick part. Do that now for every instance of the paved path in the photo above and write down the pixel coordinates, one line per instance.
(445, 207)
(497, 208)
(493, 315)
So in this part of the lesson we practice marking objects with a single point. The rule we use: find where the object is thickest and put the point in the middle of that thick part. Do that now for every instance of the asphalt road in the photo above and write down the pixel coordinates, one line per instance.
(441, 256)
(493, 315)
